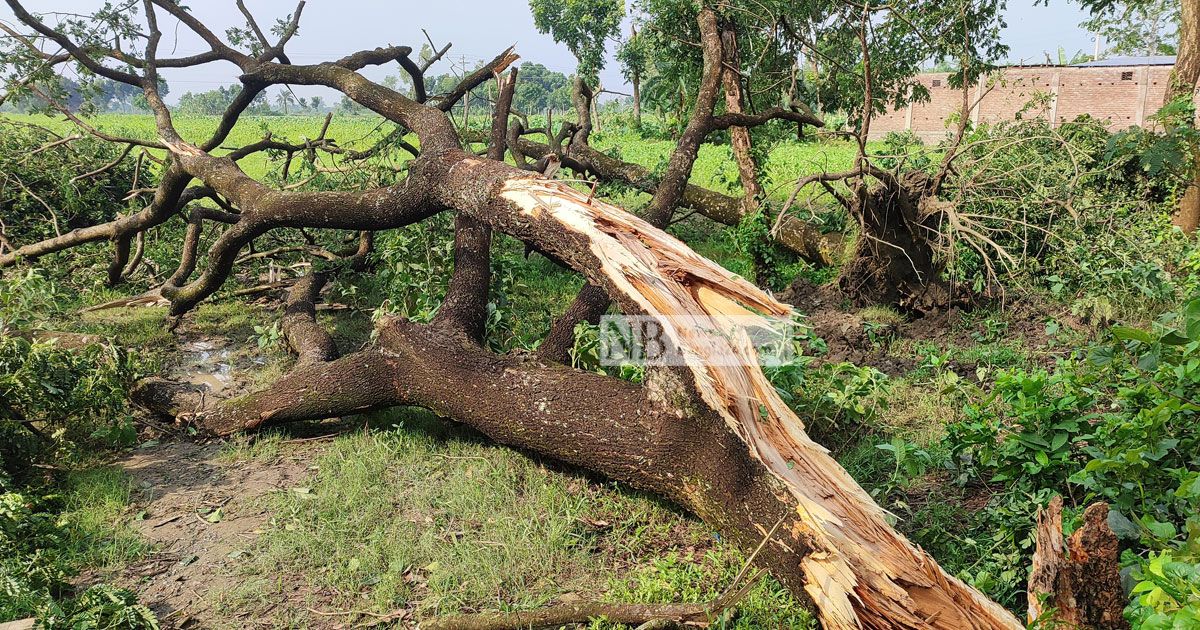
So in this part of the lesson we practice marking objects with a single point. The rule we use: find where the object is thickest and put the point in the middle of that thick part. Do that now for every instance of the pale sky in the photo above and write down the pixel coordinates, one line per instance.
(479, 29)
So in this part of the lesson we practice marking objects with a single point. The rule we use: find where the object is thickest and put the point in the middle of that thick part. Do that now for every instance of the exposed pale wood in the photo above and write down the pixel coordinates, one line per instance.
(862, 573)
(1048, 558)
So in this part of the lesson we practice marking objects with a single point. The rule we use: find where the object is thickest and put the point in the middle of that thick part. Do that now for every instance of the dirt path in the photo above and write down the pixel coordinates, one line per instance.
(201, 512)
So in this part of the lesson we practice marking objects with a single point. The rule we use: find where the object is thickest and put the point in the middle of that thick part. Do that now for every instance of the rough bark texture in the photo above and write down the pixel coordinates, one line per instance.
(739, 140)
(1184, 77)
(1079, 586)
(589, 306)
(679, 166)
(308, 339)
(739, 137)
(465, 305)
(637, 99)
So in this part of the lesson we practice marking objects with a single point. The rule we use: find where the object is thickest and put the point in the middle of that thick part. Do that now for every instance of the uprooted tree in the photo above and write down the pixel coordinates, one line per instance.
(709, 433)
(861, 60)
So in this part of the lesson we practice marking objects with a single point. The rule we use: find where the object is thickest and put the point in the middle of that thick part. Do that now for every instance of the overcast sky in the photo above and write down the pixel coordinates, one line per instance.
(479, 29)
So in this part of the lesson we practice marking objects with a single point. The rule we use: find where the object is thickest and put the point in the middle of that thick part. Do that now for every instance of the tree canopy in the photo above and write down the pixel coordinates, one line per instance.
(584, 26)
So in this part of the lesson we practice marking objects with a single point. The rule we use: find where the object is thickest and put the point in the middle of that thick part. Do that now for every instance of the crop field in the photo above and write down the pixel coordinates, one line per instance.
(714, 169)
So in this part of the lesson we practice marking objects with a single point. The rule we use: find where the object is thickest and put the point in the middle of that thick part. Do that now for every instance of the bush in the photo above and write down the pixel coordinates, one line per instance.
(39, 555)
(1076, 208)
(1118, 425)
(37, 194)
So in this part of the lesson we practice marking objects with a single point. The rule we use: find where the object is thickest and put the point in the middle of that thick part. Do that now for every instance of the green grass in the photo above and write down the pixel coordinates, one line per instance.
(353, 132)
(143, 327)
(715, 167)
(419, 514)
(884, 315)
(96, 517)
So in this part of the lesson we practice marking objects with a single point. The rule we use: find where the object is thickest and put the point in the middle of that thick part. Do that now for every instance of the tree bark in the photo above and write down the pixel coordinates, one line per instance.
(1079, 586)
(637, 100)
(1184, 77)
(581, 99)
(739, 137)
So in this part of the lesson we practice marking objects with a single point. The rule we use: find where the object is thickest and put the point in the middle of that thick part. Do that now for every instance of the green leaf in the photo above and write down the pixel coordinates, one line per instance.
(1159, 529)
(1191, 315)
(1129, 333)
(1173, 338)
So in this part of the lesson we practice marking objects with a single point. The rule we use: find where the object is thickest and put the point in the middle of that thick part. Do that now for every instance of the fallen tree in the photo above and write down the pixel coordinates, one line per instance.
(711, 433)
(804, 239)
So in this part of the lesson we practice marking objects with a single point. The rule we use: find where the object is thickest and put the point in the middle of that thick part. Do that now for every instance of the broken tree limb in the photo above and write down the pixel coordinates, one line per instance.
(802, 238)
(307, 338)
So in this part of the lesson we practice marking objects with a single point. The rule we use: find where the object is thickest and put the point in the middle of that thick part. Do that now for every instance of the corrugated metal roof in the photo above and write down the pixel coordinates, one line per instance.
(1154, 60)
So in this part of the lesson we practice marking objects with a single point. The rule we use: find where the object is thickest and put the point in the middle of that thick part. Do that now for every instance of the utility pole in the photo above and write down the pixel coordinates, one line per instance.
(467, 102)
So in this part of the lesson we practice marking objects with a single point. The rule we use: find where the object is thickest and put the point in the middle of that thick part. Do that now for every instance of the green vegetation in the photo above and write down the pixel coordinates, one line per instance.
(415, 514)
(962, 438)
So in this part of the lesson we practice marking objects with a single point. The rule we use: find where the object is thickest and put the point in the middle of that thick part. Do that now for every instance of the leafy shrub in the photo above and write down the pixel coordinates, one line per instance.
(1167, 594)
(101, 607)
(1026, 429)
(80, 393)
(37, 560)
(1076, 208)
(1120, 426)
(38, 189)
(831, 397)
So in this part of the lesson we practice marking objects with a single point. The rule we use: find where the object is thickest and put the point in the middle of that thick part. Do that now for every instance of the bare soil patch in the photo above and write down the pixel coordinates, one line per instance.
(201, 512)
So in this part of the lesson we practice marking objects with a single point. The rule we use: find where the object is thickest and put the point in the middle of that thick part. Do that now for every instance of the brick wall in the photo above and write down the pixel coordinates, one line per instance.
(1123, 95)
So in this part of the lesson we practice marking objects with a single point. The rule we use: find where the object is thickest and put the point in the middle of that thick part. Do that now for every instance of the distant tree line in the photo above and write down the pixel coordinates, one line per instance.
(539, 88)
(92, 95)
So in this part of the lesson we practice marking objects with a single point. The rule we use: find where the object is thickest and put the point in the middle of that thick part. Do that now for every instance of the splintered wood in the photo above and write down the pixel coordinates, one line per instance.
(861, 573)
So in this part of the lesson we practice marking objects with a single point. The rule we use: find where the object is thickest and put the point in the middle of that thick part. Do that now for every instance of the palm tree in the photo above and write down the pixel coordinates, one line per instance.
(285, 100)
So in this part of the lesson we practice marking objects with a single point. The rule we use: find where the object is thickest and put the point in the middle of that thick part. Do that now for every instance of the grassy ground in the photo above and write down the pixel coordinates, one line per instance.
(415, 514)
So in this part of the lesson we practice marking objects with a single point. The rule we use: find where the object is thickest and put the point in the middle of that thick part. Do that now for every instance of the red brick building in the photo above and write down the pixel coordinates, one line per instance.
(1124, 91)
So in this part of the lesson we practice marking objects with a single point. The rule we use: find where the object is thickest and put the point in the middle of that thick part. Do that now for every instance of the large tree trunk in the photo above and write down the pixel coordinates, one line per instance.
(1183, 82)
(637, 100)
